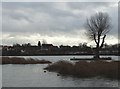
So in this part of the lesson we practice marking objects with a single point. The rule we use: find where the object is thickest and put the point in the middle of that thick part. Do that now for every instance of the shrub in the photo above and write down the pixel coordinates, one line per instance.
(86, 69)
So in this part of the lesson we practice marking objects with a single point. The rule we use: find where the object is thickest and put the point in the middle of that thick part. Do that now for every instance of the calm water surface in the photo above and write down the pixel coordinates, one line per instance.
(33, 75)
(56, 58)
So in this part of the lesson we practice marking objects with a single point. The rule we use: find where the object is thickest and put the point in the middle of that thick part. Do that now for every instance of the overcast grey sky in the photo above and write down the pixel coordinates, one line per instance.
(56, 22)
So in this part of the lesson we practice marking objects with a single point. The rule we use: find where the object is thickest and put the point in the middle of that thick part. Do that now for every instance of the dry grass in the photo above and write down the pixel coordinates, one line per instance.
(87, 69)
(20, 60)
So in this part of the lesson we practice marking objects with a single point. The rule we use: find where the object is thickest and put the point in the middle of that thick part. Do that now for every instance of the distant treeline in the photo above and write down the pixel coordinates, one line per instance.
(50, 49)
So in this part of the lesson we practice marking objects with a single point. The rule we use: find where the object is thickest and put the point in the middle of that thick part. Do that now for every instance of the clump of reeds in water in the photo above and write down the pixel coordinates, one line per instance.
(87, 69)
(21, 60)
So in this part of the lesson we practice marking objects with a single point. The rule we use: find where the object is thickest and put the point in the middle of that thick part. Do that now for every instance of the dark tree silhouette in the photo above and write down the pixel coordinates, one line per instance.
(16, 45)
(39, 43)
(98, 26)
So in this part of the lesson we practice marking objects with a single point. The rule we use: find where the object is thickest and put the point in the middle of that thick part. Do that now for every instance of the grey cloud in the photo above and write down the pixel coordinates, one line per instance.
(15, 15)
(119, 21)
(88, 5)
(46, 7)
(51, 19)
(60, 20)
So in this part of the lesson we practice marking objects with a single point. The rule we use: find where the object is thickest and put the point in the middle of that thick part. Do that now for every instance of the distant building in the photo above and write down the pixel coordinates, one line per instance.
(65, 47)
(47, 46)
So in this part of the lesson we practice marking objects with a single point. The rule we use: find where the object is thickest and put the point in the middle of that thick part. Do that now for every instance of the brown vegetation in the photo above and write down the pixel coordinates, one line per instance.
(20, 60)
(101, 58)
(86, 69)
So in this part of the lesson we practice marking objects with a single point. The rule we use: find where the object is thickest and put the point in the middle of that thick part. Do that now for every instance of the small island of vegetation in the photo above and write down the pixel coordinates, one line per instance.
(84, 69)
(20, 60)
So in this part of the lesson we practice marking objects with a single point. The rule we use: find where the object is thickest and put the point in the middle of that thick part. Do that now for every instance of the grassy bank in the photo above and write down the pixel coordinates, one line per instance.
(85, 69)
(21, 60)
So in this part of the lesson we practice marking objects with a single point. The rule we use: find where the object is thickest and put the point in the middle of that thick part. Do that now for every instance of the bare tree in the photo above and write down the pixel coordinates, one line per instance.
(98, 26)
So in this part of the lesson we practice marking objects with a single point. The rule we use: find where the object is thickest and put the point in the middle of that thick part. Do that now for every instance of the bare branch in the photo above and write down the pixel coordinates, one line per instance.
(103, 41)
(95, 39)
(97, 27)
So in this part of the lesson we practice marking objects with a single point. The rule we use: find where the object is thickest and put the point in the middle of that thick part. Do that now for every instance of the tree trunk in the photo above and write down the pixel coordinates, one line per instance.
(97, 55)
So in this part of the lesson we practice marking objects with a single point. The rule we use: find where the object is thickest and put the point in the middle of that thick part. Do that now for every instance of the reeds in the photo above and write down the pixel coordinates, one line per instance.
(21, 60)
(87, 69)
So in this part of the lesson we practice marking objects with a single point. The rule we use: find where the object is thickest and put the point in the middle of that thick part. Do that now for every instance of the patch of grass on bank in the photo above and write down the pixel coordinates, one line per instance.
(21, 60)
(103, 58)
(86, 69)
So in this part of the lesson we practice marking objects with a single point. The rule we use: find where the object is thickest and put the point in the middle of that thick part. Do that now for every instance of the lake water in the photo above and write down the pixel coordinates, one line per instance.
(33, 75)
(56, 58)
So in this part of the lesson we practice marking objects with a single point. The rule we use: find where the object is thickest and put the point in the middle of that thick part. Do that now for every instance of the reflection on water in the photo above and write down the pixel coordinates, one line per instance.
(56, 58)
(32, 75)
